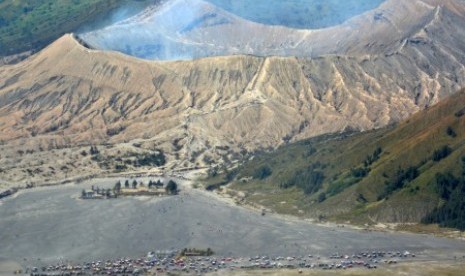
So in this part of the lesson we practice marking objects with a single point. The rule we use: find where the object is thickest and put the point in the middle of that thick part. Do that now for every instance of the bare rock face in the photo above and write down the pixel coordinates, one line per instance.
(218, 109)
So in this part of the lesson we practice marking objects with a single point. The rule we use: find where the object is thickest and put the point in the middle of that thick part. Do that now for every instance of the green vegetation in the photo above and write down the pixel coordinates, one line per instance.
(392, 174)
(171, 188)
(309, 181)
(402, 177)
(30, 25)
(134, 184)
(262, 172)
(156, 159)
(441, 153)
(451, 189)
(451, 132)
(123, 162)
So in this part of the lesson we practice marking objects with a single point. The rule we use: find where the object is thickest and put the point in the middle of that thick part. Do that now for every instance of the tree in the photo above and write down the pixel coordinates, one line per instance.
(322, 197)
(126, 184)
(117, 187)
(441, 153)
(213, 171)
(262, 172)
(94, 150)
(134, 184)
(401, 179)
(450, 131)
(310, 181)
(171, 188)
(452, 212)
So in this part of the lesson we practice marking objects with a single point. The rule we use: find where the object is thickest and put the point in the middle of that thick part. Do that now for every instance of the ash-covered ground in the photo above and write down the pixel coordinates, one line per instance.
(49, 225)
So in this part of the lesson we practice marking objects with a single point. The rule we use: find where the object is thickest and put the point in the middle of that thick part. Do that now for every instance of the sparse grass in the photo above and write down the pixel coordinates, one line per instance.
(430, 229)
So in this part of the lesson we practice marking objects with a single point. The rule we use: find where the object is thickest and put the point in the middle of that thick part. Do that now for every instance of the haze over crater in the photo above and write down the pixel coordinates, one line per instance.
(299, 14)
(188, 29)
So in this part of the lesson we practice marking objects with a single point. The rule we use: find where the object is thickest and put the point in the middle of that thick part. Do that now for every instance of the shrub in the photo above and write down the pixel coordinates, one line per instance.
(402, 178)
(262, 172)
(154, 159)
(441, 153)
(360, 172)
(321, 197)
(450, 131)
(172, 187)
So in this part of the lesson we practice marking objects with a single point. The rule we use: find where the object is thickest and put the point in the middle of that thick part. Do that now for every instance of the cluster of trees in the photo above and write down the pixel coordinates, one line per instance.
(441, 153)
(310, 181)
(155, 159)
(360, 172)
(94, 150)
(262, 172)
(157, 183)
(451, 189)
(171, 188)
(134, 184)
(402, 177)
(365, 169)
(356, 175)
(373, 157)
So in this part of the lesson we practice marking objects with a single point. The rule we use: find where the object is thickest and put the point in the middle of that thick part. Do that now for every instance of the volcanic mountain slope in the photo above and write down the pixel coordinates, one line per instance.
(393, 174)
(213, 110)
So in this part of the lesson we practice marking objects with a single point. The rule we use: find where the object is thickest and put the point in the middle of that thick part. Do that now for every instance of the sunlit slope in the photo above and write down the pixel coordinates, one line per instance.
(386, 175)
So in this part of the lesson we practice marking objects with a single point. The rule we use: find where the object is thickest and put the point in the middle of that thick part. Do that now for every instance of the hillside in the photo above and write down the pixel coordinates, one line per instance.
(213, 110)
(31, 25)
(399, 173)
(67, 98)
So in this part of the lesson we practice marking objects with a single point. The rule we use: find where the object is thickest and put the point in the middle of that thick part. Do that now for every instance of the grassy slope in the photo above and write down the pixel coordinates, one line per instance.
(410, 143)
(29, 25)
